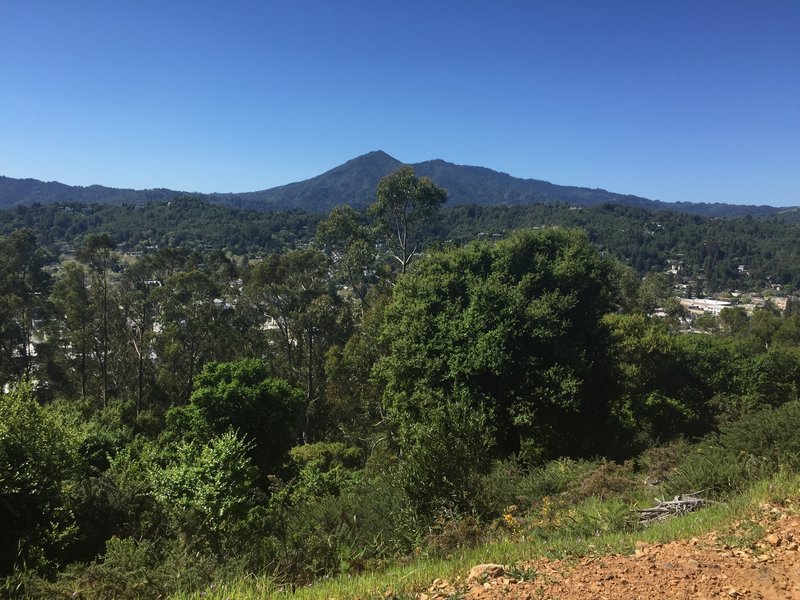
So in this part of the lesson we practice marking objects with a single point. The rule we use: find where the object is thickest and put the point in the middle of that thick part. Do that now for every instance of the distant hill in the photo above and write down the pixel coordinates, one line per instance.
(14, 192)
(354, 183)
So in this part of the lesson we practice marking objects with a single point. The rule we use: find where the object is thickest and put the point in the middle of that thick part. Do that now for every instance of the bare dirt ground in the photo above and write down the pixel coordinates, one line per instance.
(757, 558)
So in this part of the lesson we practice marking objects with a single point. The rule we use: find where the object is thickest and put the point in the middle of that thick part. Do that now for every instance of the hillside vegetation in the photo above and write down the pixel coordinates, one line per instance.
(350, 396)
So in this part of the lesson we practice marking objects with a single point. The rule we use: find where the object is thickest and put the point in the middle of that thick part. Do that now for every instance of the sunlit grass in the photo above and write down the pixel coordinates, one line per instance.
(557, 541)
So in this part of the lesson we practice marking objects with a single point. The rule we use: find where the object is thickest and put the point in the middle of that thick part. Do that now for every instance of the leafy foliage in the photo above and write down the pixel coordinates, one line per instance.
(242, 396)
(38, 459)
(755, 446)
(516, 325)
(403, 203)
(209, 491)
(442, 456)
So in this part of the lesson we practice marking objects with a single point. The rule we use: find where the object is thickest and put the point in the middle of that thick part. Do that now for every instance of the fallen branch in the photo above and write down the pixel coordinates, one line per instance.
(679, 505)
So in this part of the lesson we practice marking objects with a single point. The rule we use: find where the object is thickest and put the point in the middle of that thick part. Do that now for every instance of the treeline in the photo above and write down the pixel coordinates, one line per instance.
(183, 221)
(708, 251)
(712, 254)
(175, 419)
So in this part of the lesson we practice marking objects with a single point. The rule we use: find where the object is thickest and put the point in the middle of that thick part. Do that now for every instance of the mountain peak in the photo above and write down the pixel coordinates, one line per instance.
(375, 159)
(354, 183)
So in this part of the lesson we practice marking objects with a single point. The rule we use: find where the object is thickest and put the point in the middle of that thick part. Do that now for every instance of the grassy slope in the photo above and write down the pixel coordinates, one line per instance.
(559, 542)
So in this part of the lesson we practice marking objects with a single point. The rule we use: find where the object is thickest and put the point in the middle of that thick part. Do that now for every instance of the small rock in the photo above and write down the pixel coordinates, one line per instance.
(774, 539)
(488, 571)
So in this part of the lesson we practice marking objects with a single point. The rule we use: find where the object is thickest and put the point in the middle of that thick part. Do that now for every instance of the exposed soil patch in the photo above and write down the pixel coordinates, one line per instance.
(757, 559)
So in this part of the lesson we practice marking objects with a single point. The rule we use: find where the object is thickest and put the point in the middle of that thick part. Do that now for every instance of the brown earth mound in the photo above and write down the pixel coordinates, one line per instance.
(758, 558)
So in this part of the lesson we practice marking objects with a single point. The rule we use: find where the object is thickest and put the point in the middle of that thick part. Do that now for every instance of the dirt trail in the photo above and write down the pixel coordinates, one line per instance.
(759, 559)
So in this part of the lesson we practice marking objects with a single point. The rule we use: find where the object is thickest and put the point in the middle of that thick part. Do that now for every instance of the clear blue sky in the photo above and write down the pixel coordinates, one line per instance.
(672, 100)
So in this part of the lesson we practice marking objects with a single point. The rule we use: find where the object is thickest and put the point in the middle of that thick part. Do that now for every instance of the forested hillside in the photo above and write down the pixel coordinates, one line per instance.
(354, 183)
(708, 252)
(194, 394)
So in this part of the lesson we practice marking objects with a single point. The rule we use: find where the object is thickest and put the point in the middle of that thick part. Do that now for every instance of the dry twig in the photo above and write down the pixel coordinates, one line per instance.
(679, 505)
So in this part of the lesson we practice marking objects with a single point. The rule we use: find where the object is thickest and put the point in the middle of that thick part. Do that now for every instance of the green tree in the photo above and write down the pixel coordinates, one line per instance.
(73, 320)
(654, 292)
(243, 396)
(734, 321)
(24, 287)
(442, 455)
(403, 204)
(208, 493)
(137, 297)
(195, 328)
(664, 381)
(278, 291)
(353, 395)
(515, 326)
(764, 324)
(350, 245)
(322, 325)
(98, 254)
(290, 294)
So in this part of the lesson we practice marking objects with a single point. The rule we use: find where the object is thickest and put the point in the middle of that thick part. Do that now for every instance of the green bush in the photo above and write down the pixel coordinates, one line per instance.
(131, 569)
(38, 461)
(370, 522)
(659, 462)
(596, 516)
(511, 483)
(326, 455)
(500, 488)
(442, 456)
(209, 493)
(321, 469)
(243, 396)
(558, 477)
(755, 446)
(609, 479)
(770, 436)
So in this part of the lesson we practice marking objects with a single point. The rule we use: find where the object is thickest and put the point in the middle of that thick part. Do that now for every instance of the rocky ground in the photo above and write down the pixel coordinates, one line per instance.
(757, 558)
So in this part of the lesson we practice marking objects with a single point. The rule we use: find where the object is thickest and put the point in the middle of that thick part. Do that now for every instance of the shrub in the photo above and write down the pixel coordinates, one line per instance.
(442, 456)
(208, 492)
(131, 569)
(324, 469)
(499, 488)
(558, 477)
(326, 455)
(372, 521)
(659, 462)
(38, 458)
(609, 479)
(242, 396)
(753, 447)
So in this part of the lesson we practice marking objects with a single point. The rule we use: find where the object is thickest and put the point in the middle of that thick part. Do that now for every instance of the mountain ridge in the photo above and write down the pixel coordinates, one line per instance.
(354, 183)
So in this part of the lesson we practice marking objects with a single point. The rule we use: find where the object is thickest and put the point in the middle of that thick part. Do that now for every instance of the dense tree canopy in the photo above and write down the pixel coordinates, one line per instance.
(244, 397)
(515, 326)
